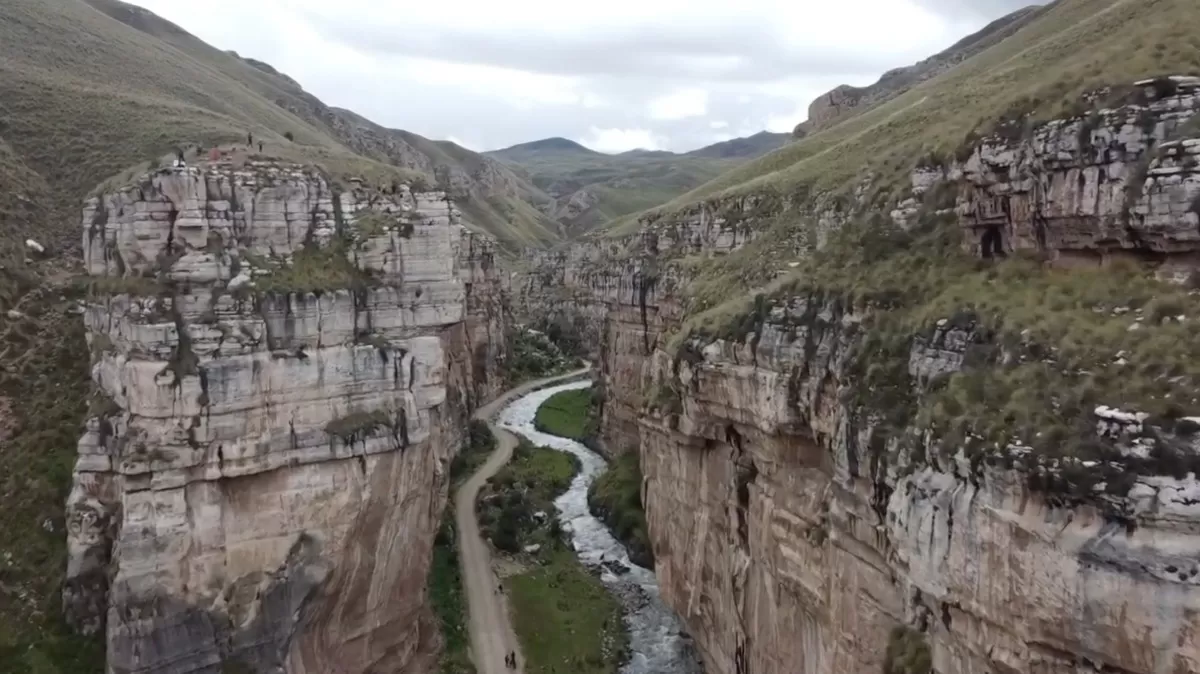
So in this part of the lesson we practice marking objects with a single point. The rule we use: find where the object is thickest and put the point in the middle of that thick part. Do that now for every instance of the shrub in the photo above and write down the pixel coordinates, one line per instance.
(907, 652)
(616, 498)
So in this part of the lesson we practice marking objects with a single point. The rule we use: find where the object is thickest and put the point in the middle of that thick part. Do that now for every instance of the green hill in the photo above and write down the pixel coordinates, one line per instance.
(1038, 63)
(743, 148)
(589, 188)
(92, 88)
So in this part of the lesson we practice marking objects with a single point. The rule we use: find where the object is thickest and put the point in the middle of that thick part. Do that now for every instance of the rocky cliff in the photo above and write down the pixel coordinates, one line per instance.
(283, 371)
(896, 455)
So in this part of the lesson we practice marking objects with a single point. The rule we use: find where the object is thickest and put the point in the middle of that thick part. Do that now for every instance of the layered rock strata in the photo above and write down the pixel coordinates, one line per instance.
(792, 536)
(283, 371)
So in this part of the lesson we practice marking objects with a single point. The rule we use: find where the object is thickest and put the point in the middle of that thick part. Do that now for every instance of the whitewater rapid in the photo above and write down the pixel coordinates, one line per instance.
(657, 642)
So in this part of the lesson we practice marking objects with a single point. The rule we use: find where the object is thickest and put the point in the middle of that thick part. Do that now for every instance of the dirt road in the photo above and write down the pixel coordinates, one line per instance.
(492, 635)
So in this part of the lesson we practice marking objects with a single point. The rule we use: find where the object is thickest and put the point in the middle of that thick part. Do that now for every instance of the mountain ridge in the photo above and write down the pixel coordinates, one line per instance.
(111, 87)
(587, 188)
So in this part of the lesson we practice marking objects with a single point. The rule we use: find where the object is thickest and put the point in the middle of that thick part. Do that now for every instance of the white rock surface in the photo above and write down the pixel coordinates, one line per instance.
(265, 472)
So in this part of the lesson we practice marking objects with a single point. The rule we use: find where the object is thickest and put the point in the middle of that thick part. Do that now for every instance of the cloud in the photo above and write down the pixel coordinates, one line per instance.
(620, 140)
(974, 9)
(673, 74)
(679, 104)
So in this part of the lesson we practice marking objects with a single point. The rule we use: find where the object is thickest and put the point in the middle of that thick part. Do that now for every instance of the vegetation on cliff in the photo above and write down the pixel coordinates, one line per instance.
(565, 618)
(43, 399)
(907, 653)
(535, 356)
(1050, 345)
(448, 596)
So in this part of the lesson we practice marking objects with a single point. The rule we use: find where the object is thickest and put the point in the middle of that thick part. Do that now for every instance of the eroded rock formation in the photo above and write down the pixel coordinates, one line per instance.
(284, 370)
(793, 536)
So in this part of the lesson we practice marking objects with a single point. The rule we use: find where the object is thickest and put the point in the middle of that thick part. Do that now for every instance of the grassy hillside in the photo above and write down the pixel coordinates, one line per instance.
(1066, 49)
(1071, 47)
(846, 101)
(92, 88)
(590, 188)
(89, 91)
(743, 148)
(913, 278)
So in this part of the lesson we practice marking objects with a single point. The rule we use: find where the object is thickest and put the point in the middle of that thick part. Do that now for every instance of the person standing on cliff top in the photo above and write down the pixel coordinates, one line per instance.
(249, 141)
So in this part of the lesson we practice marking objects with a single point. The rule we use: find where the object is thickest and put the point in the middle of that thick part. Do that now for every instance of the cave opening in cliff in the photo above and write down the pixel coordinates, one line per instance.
(991, 245)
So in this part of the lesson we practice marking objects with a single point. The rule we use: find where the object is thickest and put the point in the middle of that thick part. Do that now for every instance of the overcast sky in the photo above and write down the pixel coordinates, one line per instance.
(612, 74)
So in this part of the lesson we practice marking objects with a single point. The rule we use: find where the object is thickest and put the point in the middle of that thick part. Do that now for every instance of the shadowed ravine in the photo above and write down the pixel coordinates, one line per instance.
(656, 639)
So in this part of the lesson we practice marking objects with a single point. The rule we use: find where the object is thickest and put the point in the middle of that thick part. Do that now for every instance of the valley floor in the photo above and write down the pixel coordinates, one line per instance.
(491, 631)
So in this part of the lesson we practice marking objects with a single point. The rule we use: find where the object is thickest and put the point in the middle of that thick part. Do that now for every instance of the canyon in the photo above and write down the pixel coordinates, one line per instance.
(283, 370)
(794, 527)
(912, 392)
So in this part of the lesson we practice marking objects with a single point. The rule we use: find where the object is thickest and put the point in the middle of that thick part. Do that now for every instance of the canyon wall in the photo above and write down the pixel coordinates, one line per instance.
(793, 535)
(284, 369)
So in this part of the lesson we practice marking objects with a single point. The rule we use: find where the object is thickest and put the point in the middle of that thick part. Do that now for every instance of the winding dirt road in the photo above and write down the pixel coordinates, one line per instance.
(492, 635)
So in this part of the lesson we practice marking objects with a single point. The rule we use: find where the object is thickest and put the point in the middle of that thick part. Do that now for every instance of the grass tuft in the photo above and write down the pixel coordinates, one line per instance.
(568, 414)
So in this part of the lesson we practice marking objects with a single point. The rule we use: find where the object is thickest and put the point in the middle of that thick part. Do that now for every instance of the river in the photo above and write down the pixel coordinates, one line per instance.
(657, 641)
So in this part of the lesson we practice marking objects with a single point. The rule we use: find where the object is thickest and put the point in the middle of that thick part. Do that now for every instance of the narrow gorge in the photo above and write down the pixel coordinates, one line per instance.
(913, 389)
(827, 484)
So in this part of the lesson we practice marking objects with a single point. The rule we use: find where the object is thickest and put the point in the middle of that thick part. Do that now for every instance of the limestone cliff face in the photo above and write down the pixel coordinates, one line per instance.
(283, 372)
(792, 536)
(1120, 179)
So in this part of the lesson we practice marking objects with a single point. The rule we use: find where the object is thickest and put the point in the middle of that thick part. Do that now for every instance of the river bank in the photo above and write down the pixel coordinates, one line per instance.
(563, 615)
(657, 643)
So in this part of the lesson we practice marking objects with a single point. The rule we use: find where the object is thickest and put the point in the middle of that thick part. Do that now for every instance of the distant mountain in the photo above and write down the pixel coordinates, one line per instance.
(547, 146)
(587, 188)
(744, 148)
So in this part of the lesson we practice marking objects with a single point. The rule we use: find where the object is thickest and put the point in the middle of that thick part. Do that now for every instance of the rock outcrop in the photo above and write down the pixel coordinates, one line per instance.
(283, 372)
(1118, 179)
(793, 535)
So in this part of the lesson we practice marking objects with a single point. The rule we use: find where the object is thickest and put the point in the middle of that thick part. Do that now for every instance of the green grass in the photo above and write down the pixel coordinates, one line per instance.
(541, 473)
(45, 379)
(312, 269)
(1072, 47)
(907, 653)
(1067, 332)
(480, 444)
(616, 498)
(535, 356)
(446, 591)
(620, 184)
(448, 596)
(74, 117)
(565, 618)
(568, 414)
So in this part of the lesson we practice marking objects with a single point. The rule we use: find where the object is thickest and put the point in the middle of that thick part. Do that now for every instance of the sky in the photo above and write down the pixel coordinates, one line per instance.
(614, 75)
